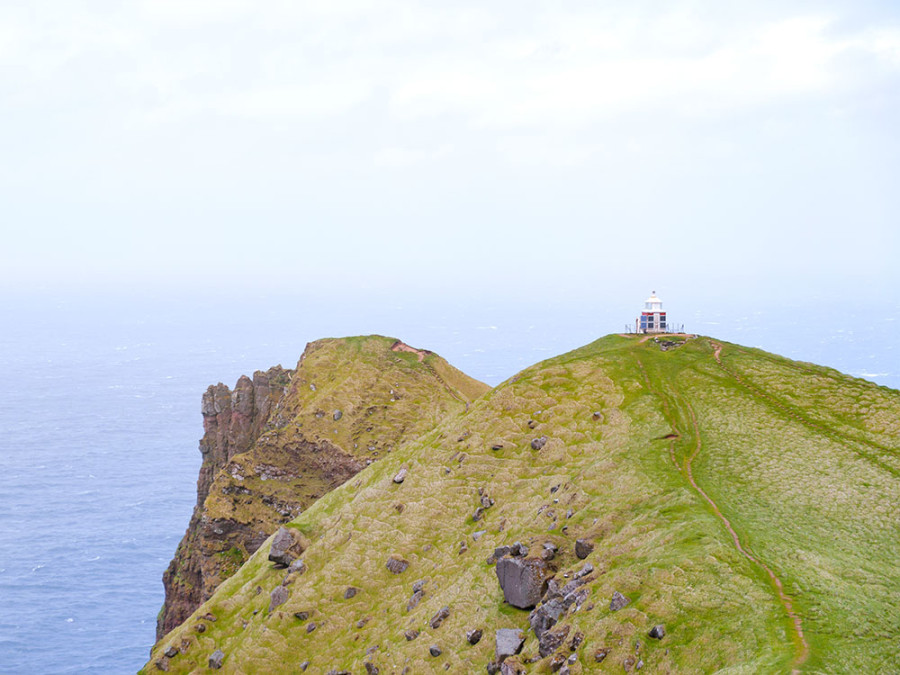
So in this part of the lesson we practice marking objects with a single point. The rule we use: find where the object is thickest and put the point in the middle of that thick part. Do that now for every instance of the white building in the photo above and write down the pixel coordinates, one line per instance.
(653, 318)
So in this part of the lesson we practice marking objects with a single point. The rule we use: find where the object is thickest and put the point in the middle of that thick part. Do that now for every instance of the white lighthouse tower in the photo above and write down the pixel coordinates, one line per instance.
(652, 318)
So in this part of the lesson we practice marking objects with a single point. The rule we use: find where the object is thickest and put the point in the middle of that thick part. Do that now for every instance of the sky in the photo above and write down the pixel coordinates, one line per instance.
(510, 147)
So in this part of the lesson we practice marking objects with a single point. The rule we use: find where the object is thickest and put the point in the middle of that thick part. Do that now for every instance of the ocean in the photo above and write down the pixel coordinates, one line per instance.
(100, 420)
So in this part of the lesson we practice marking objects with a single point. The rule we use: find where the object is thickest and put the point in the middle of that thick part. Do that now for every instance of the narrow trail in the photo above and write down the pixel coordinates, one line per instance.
(801, 644)
(800, 640)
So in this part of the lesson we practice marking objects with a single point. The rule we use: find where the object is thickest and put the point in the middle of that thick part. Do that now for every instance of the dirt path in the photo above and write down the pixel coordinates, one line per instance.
(801, 645)
(799, 639)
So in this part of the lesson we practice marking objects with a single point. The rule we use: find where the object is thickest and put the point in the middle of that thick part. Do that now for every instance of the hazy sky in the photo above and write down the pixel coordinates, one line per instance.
(449, 145)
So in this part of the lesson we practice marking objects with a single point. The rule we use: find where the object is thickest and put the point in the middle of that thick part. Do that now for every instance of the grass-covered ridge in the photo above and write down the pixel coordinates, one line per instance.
(800, 461)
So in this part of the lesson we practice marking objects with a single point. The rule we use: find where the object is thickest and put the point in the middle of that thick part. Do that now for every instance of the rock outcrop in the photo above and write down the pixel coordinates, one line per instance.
(279, 441)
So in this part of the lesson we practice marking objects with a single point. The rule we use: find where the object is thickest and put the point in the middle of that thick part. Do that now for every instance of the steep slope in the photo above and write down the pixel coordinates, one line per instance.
(280, 441)
(744, 502)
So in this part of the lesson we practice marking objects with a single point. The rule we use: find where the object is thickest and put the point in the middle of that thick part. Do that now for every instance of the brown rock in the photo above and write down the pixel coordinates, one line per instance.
(396, 564)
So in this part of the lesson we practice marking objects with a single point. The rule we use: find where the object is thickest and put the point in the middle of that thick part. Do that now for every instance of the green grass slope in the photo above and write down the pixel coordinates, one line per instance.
(745, 501)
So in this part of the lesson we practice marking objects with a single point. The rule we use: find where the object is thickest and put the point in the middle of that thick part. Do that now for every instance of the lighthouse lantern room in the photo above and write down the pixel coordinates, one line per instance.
(653, 318)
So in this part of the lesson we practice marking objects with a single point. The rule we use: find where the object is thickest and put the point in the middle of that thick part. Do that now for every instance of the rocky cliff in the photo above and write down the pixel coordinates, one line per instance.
(278, 442)
(687, 506)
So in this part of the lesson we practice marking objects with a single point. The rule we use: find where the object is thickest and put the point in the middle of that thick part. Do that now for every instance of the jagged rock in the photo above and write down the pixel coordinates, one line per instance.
(303, 616)
(304, 665)
(371, 668)
(509, 642)
(419, 585)
(363, 621)
(512, 667)
(577, 639)
(551, 640)
(546, 616)
(658, 631)
(538, 443)
(493, 668)
(438, 618)
(584, 571)
(400, 476)
(216, 659)
(162, 664)
(523, 580)
(298, 567)
(338, 414)
(200, 628)
(518, 550)
(628, 664)
(396, 564)
(171, 651)
(434, 650)
(279, 597)
(557, 662)
(597, 415)
(474, 636)
(583, 548)
(414, 600)
(478, 535)
(497, 446)
(350, 592)
(618, 602)
(411, 634)
(478, 513)
(283, 548)
(311, 626)
(600, 654)
(639, 664)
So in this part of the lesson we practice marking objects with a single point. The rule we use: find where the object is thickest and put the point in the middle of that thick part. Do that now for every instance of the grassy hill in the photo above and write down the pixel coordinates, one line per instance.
(746, 502)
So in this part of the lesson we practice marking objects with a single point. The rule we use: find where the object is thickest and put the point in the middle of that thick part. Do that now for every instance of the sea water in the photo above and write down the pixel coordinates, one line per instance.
(100, 418)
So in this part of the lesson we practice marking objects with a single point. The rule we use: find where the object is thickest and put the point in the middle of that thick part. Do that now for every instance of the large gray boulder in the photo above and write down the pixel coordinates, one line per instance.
(523, 580)
(216, 659)
(285, 547)
(509, 642)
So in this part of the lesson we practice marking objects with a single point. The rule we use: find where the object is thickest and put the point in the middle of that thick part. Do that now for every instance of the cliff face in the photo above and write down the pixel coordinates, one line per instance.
(232, 421)
(671, 506)
(278, 442)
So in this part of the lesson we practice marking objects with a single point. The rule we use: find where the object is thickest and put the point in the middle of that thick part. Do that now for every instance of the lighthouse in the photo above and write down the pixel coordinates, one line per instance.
(653, 318)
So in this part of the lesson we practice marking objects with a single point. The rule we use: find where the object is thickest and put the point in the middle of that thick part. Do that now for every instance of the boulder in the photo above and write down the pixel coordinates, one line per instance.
(311, 626)
(658, 631)
(216, 659)
(414, 600)
(285, 547)
(512, 667)
(509, 642)
(303, 616)
(473, 637)
(171, 651)
(538, 443)
(396, 564)
(279, 597)
(438, 618)
(350, 592)
(401, 476)
(618, 602)
(577, 639)
(337, 415)
(551, 640)
(411, 634)
(434, 650)
(371, 668)
(523, 580)
(583, 548)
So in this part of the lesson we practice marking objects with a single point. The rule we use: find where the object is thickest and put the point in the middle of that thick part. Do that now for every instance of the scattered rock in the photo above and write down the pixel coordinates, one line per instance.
(478, 513)
(640, 663)
(583, 548)
(401, 476)
(546, 616)
(396, 564)
(298, 567)
(497, 446)
(311, 626)
(600, 654)
(200, 628)
(597, 415)
(493, 668)
(209, 616)
(350, 592)
(337, 415)
(162, 664)
(658, 631)
(538, 443)
(411, 634)
(512, 667)
(362, 622)
(478, 535)
(618, 602)
(577, 639)
(371, 668)
(551, 640)
(557, 662)
(303, 616)
(523, 580)
(304, 665)
(628, 664)
(438, 618)
(474, 636)
(279, 597)
(171, 651)
(509, 642)
(434, 650)
(283, 546)
(518, 550)
(584, 571)
(216, 659)
(414, 600)
(532, 424)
